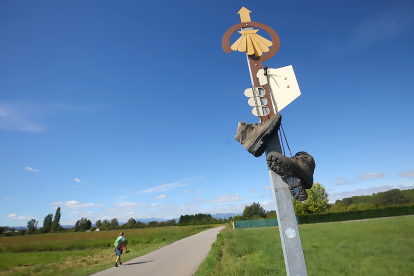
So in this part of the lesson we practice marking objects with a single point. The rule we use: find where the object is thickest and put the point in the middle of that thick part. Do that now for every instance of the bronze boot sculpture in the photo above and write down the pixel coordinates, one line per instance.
(301, 165)
(253, 137)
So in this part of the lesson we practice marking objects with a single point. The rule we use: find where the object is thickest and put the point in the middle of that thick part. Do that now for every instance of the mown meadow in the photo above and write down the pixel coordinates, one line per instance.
(81, 253)
(377, 247)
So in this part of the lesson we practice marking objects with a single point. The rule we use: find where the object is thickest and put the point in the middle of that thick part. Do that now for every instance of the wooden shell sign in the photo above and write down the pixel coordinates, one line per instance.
(273, 89)
(251, 43)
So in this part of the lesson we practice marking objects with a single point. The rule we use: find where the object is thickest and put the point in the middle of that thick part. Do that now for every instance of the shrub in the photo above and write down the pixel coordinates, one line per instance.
(338, 207)
(238, 218)
(351, 207)
(21, 232)
(390, 211)
(256, 217)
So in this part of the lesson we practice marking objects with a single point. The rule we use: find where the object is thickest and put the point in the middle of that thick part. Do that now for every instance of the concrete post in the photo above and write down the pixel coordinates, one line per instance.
(286, 218)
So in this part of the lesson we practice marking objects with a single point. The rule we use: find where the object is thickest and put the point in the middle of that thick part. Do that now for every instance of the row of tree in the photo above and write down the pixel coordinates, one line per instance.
(51, 224)
(85, 224)
(382, 199)
(318, 202)
(8, 231)
(200, 219)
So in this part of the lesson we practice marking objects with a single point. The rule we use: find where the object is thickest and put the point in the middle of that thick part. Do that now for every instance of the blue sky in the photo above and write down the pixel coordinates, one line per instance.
(129, 109)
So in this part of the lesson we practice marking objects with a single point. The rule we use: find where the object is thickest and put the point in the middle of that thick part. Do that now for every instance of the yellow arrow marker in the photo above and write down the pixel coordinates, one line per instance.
(244, 15)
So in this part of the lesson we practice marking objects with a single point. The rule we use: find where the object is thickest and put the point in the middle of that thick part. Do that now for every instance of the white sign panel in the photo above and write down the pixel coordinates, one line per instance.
(257, 100)
(283, 84)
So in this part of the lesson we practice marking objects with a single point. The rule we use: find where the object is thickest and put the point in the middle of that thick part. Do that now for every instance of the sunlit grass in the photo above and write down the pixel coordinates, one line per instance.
(81, 253)
(87, 240)
(370, 247)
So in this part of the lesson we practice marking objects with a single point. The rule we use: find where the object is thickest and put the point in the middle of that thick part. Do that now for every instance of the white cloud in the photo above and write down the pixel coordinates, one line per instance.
(192, 191)
(83, 214)
(384, 25)
(19, 116)
(75, 205)
(407, 174)
(268, 205)
(170, 186)
(160, 196)
(371, 175)
(199, 199)
(129, 205)
(14, 216)
(124, 205)
(25, 116)
(254, 190)
(31, 169)
(267, 187)
(226, 198)
(121, 197)
(6, 198)
(77, 180)
(152, 205)
(162, 188)
(343, 181)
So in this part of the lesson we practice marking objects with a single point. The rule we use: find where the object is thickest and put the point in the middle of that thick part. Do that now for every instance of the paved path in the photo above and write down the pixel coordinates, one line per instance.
(180, 258)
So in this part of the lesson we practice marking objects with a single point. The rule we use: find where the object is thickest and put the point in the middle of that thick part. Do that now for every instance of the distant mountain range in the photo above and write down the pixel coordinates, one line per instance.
(217, 216)
(225, 215)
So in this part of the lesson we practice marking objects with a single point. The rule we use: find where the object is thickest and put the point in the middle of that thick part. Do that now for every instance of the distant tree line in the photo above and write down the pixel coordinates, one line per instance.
(130, 224)
(7, 231)
(51, 224)
(389, 198)
(253, 212)
(199, 219)
(317, 202)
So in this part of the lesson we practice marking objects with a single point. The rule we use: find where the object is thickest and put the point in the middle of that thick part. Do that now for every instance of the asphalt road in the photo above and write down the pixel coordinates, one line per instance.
(180, 258)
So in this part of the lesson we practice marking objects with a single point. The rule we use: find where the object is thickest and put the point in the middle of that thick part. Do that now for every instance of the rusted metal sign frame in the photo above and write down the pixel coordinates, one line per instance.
(256, 63)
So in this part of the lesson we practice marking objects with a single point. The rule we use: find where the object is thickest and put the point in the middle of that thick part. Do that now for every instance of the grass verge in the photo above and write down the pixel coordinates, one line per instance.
(85, 261)
(370, 247)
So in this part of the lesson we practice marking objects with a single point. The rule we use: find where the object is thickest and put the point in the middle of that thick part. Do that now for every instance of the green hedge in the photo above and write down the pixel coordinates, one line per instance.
(390, 211)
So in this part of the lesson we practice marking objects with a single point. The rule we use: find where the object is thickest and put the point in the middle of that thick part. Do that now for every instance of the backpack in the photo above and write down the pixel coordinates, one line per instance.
(118, 242)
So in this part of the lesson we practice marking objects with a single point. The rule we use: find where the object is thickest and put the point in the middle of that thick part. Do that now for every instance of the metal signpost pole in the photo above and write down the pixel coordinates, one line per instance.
(286, 219)
(288, 228)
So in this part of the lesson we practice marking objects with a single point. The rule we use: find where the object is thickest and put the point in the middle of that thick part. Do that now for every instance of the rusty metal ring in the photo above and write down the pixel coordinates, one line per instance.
(225, 42)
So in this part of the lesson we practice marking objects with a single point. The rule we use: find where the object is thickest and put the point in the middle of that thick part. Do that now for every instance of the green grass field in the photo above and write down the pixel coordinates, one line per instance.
(81, 253)
(367, 247)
